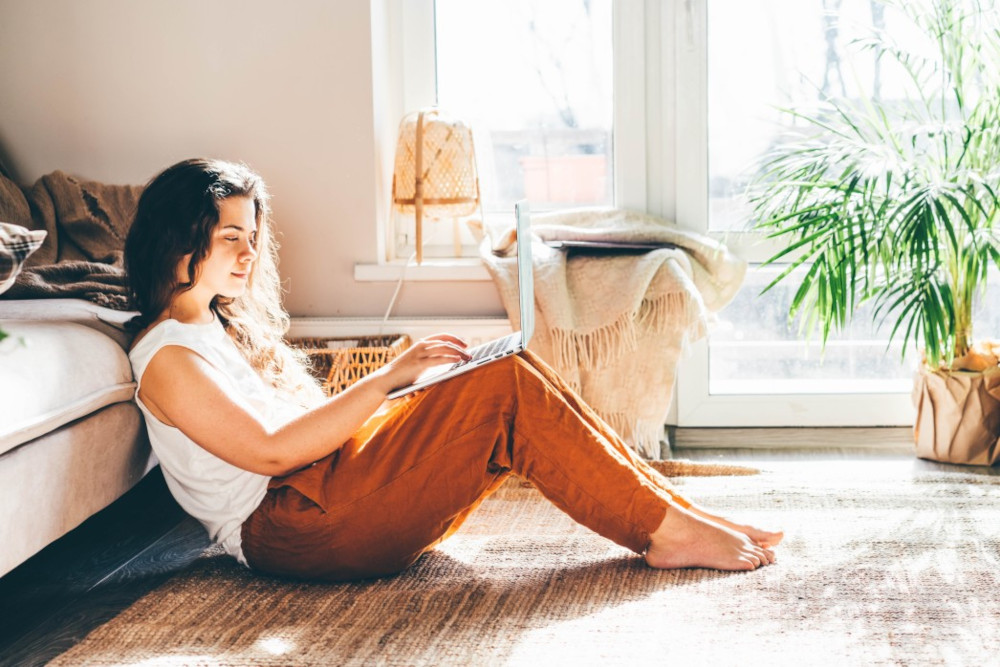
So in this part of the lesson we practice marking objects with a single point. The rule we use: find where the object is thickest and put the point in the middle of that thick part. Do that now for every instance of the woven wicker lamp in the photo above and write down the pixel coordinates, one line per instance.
(435, 171)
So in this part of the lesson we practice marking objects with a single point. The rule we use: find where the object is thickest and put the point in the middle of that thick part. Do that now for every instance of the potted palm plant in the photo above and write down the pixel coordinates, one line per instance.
(893, 202)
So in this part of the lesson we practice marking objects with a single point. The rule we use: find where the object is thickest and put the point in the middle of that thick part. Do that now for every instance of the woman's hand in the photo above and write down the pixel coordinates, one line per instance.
(425, 353)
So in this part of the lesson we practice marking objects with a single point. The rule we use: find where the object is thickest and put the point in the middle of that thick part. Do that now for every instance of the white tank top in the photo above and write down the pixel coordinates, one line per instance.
(218, 494)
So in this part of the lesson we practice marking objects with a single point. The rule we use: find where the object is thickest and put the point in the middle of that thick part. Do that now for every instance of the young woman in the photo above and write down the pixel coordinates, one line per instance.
(292, 483)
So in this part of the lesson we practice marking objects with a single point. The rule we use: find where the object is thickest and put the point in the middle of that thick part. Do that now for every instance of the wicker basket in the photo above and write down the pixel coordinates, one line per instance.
(340, 362)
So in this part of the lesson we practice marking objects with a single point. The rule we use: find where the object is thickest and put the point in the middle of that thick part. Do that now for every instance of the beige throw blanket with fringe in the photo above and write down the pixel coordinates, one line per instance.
(614, 325)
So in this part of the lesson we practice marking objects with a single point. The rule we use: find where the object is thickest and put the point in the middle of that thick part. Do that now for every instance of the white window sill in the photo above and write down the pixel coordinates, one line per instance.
(453, 269)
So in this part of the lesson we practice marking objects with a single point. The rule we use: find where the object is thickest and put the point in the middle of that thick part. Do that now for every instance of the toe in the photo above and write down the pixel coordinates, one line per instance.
(765, 556)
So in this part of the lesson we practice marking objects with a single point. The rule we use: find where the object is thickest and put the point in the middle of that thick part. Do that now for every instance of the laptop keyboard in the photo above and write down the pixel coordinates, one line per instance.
(484, 351)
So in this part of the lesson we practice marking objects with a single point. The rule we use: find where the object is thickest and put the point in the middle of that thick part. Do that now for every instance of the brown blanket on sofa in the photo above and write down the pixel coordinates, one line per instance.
(86, 223)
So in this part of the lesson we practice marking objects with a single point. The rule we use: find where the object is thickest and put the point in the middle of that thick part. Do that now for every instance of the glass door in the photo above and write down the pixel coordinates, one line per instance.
(750, 60)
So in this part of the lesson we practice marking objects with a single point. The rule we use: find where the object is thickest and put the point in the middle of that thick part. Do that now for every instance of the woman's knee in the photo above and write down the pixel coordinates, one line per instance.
(517, 372)
(498, 376)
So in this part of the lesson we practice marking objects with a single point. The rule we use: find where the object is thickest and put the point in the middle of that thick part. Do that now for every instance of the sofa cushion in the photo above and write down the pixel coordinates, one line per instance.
(54, 373)
(105, 320)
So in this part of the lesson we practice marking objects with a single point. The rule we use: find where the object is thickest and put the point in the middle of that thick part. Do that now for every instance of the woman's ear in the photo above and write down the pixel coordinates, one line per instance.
(181, 274)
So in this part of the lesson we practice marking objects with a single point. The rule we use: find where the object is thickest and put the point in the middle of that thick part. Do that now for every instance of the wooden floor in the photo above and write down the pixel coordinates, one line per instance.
(54, 599)
(84, 579)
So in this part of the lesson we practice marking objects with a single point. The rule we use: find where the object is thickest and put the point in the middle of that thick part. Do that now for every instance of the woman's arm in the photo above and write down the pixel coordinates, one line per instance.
(184, 390)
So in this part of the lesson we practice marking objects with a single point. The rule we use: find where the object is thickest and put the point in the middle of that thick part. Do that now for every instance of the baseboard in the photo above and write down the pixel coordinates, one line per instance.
(889, 438)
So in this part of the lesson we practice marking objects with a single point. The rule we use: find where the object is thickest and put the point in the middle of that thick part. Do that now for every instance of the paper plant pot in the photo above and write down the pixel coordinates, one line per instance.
(958, 416)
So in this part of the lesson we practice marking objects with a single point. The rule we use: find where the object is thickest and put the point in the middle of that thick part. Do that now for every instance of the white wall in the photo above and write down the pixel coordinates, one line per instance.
(115, 90)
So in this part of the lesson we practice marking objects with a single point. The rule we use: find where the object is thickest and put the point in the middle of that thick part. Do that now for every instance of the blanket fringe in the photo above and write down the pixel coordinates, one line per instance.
(643, 436)
(595, 348)
(667, 313)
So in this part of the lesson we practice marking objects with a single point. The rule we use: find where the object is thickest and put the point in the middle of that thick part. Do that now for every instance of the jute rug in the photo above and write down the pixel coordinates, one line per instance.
(884, 563)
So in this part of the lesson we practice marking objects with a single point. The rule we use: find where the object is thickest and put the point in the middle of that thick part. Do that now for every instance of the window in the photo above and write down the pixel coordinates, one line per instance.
(535, 79)
(677, 99)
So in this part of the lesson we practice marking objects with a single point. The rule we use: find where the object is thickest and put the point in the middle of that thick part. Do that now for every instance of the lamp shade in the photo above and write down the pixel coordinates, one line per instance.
(435, 169)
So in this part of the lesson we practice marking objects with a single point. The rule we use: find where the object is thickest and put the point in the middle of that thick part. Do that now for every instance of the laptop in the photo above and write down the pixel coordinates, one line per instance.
(505, 345)
(609, 247)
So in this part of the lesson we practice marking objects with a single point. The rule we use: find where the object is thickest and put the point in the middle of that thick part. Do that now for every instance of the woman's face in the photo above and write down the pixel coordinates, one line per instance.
(226, 268)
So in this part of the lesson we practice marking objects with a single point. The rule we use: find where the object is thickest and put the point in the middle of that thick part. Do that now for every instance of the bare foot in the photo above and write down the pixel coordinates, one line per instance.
(685, 539)
(765, 538)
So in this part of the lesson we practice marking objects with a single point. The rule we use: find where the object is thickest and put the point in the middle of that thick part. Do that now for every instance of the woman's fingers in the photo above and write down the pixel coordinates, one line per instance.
(428, 352)
(444, 345)
(442, 348)
(450, 338)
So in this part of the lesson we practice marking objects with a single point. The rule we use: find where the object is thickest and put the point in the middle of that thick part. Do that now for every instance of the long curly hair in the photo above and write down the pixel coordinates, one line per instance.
(176, 216)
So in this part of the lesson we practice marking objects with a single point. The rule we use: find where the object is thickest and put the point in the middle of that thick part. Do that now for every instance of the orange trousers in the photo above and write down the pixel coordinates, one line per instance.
(418, 467)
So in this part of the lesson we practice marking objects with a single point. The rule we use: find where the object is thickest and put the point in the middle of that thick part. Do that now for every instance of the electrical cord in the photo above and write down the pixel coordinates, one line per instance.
(395, 294)
(402, 276)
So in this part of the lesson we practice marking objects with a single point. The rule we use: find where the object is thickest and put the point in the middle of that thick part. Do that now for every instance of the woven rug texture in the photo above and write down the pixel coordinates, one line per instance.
(882, 564)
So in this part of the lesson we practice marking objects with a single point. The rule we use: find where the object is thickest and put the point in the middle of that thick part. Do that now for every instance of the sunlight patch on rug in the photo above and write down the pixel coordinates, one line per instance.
(275, 645)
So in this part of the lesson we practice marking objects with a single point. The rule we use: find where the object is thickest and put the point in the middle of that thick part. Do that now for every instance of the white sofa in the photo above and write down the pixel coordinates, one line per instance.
(71, 437)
